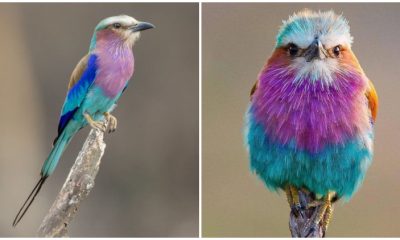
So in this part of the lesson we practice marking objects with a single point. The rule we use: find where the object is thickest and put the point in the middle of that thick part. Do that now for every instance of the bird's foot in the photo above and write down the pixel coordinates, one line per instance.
(314, 204)
(112, 122)
(324, 213)
(99, 125)
(327, 217)
(294, 201)
(297, 210)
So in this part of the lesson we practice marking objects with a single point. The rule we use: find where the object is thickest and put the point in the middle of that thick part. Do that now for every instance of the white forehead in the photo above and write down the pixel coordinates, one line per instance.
(303, 27)
(123, 19)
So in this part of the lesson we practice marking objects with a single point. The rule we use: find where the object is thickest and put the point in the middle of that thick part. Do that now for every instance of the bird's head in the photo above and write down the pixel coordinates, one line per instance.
(121, 29)
(315, 46)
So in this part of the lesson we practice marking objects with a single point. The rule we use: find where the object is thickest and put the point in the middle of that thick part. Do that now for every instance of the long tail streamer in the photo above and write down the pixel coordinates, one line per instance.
(29, 201)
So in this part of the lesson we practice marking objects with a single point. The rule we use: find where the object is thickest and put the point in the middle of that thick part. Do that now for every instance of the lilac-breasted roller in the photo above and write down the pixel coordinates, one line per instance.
(310, 121)
(96, 84)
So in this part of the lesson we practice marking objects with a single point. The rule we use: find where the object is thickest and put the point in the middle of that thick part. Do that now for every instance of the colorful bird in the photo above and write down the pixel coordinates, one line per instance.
(310, 121)
(96, 84)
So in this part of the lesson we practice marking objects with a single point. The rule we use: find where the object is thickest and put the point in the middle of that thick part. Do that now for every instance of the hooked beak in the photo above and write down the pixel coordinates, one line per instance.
(141, 26)
(315, 51)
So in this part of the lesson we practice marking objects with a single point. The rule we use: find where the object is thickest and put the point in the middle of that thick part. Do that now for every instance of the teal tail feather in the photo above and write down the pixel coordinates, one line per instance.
(49, 165)
(59, 146)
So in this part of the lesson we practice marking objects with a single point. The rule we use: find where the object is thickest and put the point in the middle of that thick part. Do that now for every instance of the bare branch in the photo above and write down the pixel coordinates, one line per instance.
(302, 225)
(76, 188)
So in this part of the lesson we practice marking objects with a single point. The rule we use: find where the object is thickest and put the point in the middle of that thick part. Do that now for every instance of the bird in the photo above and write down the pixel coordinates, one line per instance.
(95, 85)
(310, 120)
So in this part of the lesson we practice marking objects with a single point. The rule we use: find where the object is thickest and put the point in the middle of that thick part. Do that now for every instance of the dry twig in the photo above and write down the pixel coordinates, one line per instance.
(76, 188)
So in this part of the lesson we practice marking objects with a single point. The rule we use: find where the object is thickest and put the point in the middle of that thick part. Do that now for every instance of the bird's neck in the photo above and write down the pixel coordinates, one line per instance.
(114, 52)
(109, 44)
(113, 47)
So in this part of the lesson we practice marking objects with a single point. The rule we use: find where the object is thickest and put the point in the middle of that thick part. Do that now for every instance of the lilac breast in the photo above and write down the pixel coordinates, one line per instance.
(309, 114)
(115, 64)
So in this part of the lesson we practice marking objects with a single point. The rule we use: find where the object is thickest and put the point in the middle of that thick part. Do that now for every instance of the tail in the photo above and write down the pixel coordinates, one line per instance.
(28, 201)
(60, 145)
(47, 169)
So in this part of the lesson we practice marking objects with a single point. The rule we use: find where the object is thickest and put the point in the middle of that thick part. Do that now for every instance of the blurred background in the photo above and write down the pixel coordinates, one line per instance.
(237, 40)
(148, 180)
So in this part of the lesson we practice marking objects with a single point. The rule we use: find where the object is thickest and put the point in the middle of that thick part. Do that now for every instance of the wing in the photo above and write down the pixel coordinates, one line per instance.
(81, 79)
(77, 73)
(372, 97)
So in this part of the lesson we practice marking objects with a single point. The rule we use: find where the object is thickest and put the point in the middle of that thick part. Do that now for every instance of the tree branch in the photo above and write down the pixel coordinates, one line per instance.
(302, 225)
(76, 188)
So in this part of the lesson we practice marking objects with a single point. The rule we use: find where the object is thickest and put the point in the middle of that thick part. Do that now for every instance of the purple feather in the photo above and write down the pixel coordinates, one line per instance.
(311, 113)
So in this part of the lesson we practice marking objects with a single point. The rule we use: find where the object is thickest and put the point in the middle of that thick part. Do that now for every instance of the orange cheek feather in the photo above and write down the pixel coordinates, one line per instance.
(349, 60)
(280, 57)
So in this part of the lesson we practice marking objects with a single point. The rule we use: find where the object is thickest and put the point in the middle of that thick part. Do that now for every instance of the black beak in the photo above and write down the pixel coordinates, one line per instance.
(315, 51)
(141, 26)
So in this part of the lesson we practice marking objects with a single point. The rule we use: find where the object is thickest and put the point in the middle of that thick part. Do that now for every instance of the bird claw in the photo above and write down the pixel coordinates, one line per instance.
(295, 202)
(98, 125)
(298, 210)
(314, 204)
(112, 122)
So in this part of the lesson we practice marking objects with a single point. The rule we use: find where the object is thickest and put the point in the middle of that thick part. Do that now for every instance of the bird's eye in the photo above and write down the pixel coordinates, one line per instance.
(293, 49)
(117, 25)
(336, 50)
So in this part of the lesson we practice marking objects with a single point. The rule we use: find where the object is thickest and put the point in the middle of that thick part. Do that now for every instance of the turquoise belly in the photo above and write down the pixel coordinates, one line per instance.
(95, 104)
(340, 168)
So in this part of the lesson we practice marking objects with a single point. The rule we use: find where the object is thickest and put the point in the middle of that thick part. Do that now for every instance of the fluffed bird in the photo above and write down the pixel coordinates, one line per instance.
(95, 86)
(310, 121)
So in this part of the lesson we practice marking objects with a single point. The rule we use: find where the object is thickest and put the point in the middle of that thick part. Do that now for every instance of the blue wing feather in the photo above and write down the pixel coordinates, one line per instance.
(77, 93)
(64, 120)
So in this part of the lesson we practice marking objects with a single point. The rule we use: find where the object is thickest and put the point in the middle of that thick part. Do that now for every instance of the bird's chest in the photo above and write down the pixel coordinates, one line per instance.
(114, 72)
(310, 115)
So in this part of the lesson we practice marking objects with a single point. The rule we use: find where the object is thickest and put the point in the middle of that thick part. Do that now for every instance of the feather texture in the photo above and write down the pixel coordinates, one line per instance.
(80, 82)
(78, 70)
(310, 122)
(372, 100)
(95, 85)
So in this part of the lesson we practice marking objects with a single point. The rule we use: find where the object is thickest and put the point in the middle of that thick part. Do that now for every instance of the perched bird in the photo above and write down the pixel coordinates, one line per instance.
(96, 84)
(310, 121)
